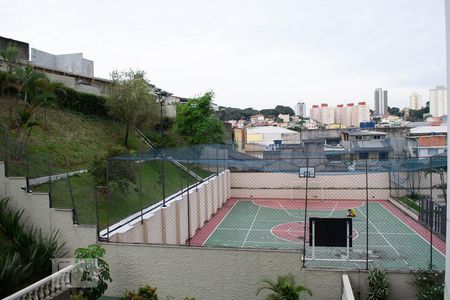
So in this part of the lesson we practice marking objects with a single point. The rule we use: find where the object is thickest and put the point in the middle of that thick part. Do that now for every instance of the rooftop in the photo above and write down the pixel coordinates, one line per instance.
(269, 129)
(429, 129)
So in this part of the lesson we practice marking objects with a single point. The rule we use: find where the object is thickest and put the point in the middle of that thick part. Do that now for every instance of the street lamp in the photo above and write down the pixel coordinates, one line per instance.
(161, 99)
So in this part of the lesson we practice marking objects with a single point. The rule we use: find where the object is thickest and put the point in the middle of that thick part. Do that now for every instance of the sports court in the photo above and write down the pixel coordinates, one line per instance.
(396, 241)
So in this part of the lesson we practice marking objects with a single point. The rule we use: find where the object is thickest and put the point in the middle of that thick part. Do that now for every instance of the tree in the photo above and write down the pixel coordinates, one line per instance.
(285, 110)
(197, 122)
(130, 100)
(284, 288)
(10, 55)
(394, 111)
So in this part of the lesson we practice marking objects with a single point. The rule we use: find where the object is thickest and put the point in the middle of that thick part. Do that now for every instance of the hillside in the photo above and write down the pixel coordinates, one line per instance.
(79, 139)
(73, 135)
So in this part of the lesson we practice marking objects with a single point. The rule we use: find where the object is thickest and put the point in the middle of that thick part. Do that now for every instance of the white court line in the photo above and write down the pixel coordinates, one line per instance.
(389, 243)
(334, 208)
(414, 231)
(224, 217)
(284, 208)
(250, 229)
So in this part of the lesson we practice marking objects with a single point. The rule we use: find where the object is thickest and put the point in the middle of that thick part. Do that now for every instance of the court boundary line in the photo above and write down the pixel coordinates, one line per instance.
(251, 225)
(412, 229)
(389, 243)
(217, 226)
(311, 201)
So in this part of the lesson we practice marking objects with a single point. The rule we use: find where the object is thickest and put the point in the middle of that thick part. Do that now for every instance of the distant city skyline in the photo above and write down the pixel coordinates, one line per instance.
(251, 54)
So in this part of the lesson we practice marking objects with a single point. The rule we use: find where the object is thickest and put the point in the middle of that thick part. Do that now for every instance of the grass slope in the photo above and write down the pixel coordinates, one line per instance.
(78, 139)
(71, 135)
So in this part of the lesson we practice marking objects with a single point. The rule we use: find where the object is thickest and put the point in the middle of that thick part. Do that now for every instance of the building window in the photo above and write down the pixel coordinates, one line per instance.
(383, 155)
(358, 137)
(363, 155)
(376, 137)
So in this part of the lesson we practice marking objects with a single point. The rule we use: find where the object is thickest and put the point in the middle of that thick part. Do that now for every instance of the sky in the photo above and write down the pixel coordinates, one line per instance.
(251, 53)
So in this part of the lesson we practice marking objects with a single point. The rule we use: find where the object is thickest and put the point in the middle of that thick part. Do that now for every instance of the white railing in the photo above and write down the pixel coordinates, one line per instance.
(46, 288)
(347, 292)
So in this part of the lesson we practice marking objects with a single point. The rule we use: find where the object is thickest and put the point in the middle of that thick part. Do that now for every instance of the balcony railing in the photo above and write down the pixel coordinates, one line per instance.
(46, 288)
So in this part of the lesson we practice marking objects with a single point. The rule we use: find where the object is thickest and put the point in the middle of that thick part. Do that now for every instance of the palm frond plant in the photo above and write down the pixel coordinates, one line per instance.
(378, 285)
(285, 288)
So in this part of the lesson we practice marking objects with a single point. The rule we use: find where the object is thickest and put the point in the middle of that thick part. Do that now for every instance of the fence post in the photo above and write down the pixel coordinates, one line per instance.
(50, 185)
(5, 132)
(367, 214)
(188, 212)
(96, 191)
(431, 206)
(27, 164)
(140, 191)
(69, 185)
(306, 212)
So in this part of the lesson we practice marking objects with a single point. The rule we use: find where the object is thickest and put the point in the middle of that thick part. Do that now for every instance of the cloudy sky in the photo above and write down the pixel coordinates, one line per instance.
(251, 53)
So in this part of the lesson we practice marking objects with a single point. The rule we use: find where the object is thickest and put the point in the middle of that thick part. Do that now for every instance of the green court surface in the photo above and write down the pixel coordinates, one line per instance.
(394, 243)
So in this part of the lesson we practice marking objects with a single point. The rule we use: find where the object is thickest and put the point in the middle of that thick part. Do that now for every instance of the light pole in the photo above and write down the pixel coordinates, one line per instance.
(161, 98)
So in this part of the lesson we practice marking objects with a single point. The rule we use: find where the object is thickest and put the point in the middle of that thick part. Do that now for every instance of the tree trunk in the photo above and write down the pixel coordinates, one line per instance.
(126, 135)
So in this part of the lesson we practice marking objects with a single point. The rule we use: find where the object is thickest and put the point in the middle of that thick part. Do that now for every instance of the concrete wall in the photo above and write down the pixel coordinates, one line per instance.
(290, 186)
(207, 273)
(72, 63)
(38, 213)
(169, 225)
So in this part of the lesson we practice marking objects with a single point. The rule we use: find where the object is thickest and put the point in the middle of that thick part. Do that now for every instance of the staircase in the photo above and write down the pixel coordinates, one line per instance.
(170, 158)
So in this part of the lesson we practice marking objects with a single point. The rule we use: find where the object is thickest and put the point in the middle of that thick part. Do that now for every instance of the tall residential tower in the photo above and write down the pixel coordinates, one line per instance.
(438, 101)
(381, 102)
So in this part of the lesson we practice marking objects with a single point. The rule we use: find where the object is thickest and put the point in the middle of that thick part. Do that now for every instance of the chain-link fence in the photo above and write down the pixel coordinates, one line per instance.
(334, 213)
(347, 214)
(68, 186)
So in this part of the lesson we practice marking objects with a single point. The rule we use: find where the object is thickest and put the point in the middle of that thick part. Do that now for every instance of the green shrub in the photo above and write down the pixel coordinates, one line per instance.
(13, 272)
(378, 285)
(430, 285)
(100, 276)
(85, 103)
(145, 292)
(284, 288)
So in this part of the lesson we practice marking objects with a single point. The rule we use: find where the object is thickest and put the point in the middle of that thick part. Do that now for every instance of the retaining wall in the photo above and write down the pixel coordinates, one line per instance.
(171, 224)
(38, 213)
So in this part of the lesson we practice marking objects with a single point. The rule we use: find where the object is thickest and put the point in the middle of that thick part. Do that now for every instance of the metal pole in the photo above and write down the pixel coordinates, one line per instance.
(106, 200)
(367, 215)
(306, 211)
(96, 191)
(140, 193)
(430, 209)
(6, 151)
(50, 185)
(162, 155)
(189, 212)
(69, 185)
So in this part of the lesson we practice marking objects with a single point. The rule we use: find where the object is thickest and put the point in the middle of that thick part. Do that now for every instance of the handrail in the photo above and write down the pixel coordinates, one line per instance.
(48, 287)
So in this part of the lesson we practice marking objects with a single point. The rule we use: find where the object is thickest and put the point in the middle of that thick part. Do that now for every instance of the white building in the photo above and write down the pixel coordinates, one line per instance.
(266, 135)
(415, 101)
(438, 101)
(314, 113)
(326, 114)
(300, 109)
(381, 102)
(352, 115)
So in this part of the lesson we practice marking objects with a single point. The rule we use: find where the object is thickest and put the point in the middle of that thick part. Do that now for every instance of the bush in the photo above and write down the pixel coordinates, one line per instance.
(100, 276)
(145, 292)
(88, 104)
(378, 285)
(430, 285)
